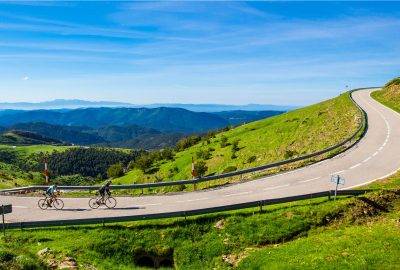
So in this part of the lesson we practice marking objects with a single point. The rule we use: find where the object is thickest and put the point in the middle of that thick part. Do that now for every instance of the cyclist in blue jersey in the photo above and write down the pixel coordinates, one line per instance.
(51, 193)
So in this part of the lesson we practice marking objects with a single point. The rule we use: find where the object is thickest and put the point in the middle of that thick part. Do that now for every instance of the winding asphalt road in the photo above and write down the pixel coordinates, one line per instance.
(376, 156)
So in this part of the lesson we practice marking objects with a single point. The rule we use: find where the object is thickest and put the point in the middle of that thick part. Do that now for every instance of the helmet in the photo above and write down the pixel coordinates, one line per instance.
(56, 183)
(109, 181)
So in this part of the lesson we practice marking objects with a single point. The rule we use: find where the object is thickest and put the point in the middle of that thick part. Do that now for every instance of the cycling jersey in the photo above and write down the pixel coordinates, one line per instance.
(51, 189)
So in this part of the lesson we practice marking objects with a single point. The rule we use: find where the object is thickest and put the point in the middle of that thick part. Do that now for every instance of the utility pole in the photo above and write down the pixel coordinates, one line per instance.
(46, 171)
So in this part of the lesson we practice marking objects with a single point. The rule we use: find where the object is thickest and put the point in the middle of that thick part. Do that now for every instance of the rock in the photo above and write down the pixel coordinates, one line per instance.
(43, 251)
(220, 224)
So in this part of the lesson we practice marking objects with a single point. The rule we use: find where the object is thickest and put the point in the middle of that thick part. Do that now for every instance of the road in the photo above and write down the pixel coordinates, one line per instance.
(376, 156)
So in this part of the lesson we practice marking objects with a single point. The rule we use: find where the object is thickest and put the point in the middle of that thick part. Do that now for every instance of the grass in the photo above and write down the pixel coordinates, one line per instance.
(350, 233)
(389, 95)
(25, 151)
(289, 135)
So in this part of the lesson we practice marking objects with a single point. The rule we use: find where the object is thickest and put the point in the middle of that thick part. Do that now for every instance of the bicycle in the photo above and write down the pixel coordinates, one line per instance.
(108, 201)
(56, 202)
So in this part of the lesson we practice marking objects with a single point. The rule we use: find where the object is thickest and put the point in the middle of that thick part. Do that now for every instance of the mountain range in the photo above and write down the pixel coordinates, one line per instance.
(139, 128)
(77, 103)
(162, 119)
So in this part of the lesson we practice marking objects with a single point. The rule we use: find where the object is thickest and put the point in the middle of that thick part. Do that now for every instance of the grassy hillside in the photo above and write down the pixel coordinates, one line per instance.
(351, 233)
(17, 137)
(390, 94)
(273, 139)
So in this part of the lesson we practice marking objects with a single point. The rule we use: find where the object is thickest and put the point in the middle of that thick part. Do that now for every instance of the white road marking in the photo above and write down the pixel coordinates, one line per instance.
(238, 194)
(367, 159)
(337, 172)
(18, 206)
(195, 200)
(309, 180)
(150, 204)
(375, 153)
(277, 187)
(380, 148)
(369, 182)
(355, 166)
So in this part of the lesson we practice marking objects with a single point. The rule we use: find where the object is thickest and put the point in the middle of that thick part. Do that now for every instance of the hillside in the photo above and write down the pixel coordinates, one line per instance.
(288, 135)
(390, 94)
(238, 117)
(18, 137)
(63, 133)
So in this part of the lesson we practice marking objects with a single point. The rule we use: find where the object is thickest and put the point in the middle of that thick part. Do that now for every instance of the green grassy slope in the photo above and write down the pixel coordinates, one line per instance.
(390, 94)
(351, 233)
(277, 138)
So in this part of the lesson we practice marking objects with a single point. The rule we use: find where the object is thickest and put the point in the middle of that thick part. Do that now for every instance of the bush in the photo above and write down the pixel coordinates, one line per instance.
(224, 141)
(200, 168)
(187, 142)
(235, 145)
(203, 154)
(251, 159)
(76, 180)
(26, 263)
(229, 169)
(6, 256)
(144, 163)
(115, 170)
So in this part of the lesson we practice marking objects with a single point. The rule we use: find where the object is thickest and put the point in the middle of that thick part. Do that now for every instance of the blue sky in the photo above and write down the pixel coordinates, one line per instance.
(294, 53)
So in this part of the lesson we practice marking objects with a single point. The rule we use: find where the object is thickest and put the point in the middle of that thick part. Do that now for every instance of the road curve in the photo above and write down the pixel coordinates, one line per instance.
(376, 156)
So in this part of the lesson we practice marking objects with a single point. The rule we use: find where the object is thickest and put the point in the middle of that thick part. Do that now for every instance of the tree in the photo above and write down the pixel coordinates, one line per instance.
(115, 170)
(235, 145)
(200, 168)
(144, 163)
(224, 141)
(168, 154)
(203, 154)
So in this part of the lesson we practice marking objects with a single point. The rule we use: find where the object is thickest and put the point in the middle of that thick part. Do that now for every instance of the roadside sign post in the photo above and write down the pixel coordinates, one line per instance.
(5, 209)
(338, 180)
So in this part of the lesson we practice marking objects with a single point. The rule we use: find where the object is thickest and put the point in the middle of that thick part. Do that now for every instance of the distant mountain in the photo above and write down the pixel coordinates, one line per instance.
(61, 104)
(76, 103)
(162, 119)
(18, 137)
(238, 117)
(223, 107)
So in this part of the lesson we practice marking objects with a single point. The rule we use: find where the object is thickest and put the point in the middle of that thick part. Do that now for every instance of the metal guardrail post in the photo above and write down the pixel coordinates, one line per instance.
(4, 227)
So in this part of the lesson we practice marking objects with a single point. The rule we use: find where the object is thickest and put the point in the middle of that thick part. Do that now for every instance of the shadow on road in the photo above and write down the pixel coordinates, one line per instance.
(124, 208)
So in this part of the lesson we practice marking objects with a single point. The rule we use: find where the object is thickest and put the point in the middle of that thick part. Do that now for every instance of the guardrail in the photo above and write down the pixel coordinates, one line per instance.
(184, 214)
(362, 128)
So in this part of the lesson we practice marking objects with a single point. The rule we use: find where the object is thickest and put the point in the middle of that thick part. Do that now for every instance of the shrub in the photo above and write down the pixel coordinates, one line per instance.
(115, 170)
(224, 141)
(203, 154)
(6, 256)
(200, 168)
(144, 163)
(229, 169)
(251, 159)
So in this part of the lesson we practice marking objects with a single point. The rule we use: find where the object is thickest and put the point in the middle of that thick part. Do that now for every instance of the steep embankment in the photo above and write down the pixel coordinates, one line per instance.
(390, 94)
(289, 135)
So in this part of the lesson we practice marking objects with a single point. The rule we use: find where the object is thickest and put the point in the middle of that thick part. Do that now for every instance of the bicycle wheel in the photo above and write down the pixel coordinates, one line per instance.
(93, 203)
(42, 203)
(110, 202)
(58, 204)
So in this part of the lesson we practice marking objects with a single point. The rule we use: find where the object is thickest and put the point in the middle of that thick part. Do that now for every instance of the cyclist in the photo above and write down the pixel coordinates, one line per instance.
(51, 193)
(105, 188)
